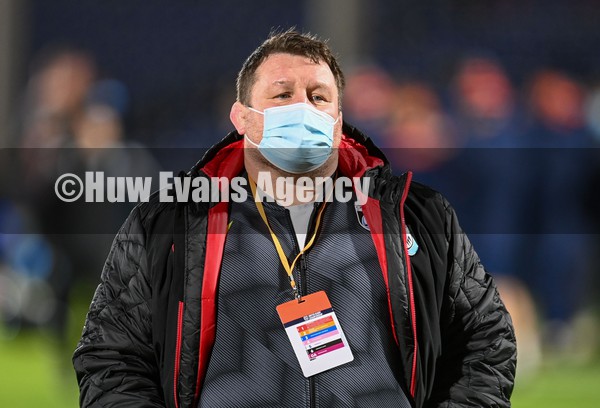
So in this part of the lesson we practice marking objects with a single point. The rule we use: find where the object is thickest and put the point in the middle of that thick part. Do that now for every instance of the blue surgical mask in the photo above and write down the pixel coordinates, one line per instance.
(297, 138)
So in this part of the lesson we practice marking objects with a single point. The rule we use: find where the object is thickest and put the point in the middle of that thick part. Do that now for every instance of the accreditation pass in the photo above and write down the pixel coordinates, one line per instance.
(315, 333)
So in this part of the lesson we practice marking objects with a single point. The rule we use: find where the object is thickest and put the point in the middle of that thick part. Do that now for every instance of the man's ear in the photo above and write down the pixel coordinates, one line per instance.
(338, 132)
(238, 117)
(340, 122)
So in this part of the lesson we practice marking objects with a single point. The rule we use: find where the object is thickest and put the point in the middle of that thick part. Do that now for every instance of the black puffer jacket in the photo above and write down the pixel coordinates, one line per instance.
(151, 324)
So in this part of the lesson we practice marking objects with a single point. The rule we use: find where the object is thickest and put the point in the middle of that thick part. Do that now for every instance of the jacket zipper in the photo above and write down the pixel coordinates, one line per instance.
(311, 380)
(301, 278)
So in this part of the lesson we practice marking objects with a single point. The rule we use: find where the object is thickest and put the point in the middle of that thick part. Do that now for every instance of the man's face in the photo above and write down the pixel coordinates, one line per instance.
(285, 79)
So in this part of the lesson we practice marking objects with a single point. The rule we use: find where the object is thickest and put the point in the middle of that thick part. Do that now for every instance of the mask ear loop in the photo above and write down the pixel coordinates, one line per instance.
(245, 135)
(254, 110)
(250, 141)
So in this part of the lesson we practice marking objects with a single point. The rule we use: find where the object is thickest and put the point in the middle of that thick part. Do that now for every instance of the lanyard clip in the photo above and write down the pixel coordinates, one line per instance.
(295, 288)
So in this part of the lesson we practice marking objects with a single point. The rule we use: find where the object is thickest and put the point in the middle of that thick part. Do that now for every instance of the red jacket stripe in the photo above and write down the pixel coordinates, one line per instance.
(411, 293)
(215, 243)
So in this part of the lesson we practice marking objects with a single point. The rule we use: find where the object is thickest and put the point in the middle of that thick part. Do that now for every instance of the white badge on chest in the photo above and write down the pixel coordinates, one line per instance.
(315, 333)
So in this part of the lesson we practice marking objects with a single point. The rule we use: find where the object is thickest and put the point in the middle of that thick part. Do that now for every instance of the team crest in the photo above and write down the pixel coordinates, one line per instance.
(361, 217)
(411, 245)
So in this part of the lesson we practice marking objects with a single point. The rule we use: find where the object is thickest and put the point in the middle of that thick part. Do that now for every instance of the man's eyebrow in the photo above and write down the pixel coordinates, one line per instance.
(314, 85)
(321, 84)
(281, 82)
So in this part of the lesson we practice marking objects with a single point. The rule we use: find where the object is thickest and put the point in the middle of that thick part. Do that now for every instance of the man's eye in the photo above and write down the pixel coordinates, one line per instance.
(318, 98)
(283, 96)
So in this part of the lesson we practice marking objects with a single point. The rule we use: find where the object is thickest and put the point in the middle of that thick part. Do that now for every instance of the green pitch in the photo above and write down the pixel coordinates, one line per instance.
(35, 373)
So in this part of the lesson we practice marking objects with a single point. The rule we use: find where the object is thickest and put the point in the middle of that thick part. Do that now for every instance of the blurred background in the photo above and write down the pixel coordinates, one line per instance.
(496, 104)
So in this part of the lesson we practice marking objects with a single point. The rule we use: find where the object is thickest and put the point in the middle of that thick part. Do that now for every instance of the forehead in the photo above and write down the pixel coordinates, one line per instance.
(288, 68)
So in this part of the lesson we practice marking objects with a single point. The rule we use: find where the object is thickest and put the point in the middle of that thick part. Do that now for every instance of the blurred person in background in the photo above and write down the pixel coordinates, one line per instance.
(73, 123)
(53, 101)
(560, 261)
(98, 144)
(185, 315)
(484, 103)
(495, 188)
(369, 100)
(420, 135)
(26, 261)
(55, 94)
(592, 198)
(406, 119)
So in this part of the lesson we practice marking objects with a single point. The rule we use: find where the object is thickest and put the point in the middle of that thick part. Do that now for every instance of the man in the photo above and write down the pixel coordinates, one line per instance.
(195, 301)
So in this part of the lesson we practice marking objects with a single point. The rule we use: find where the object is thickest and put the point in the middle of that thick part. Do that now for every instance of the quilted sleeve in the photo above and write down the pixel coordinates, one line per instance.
(114, 360)
(479, 350)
